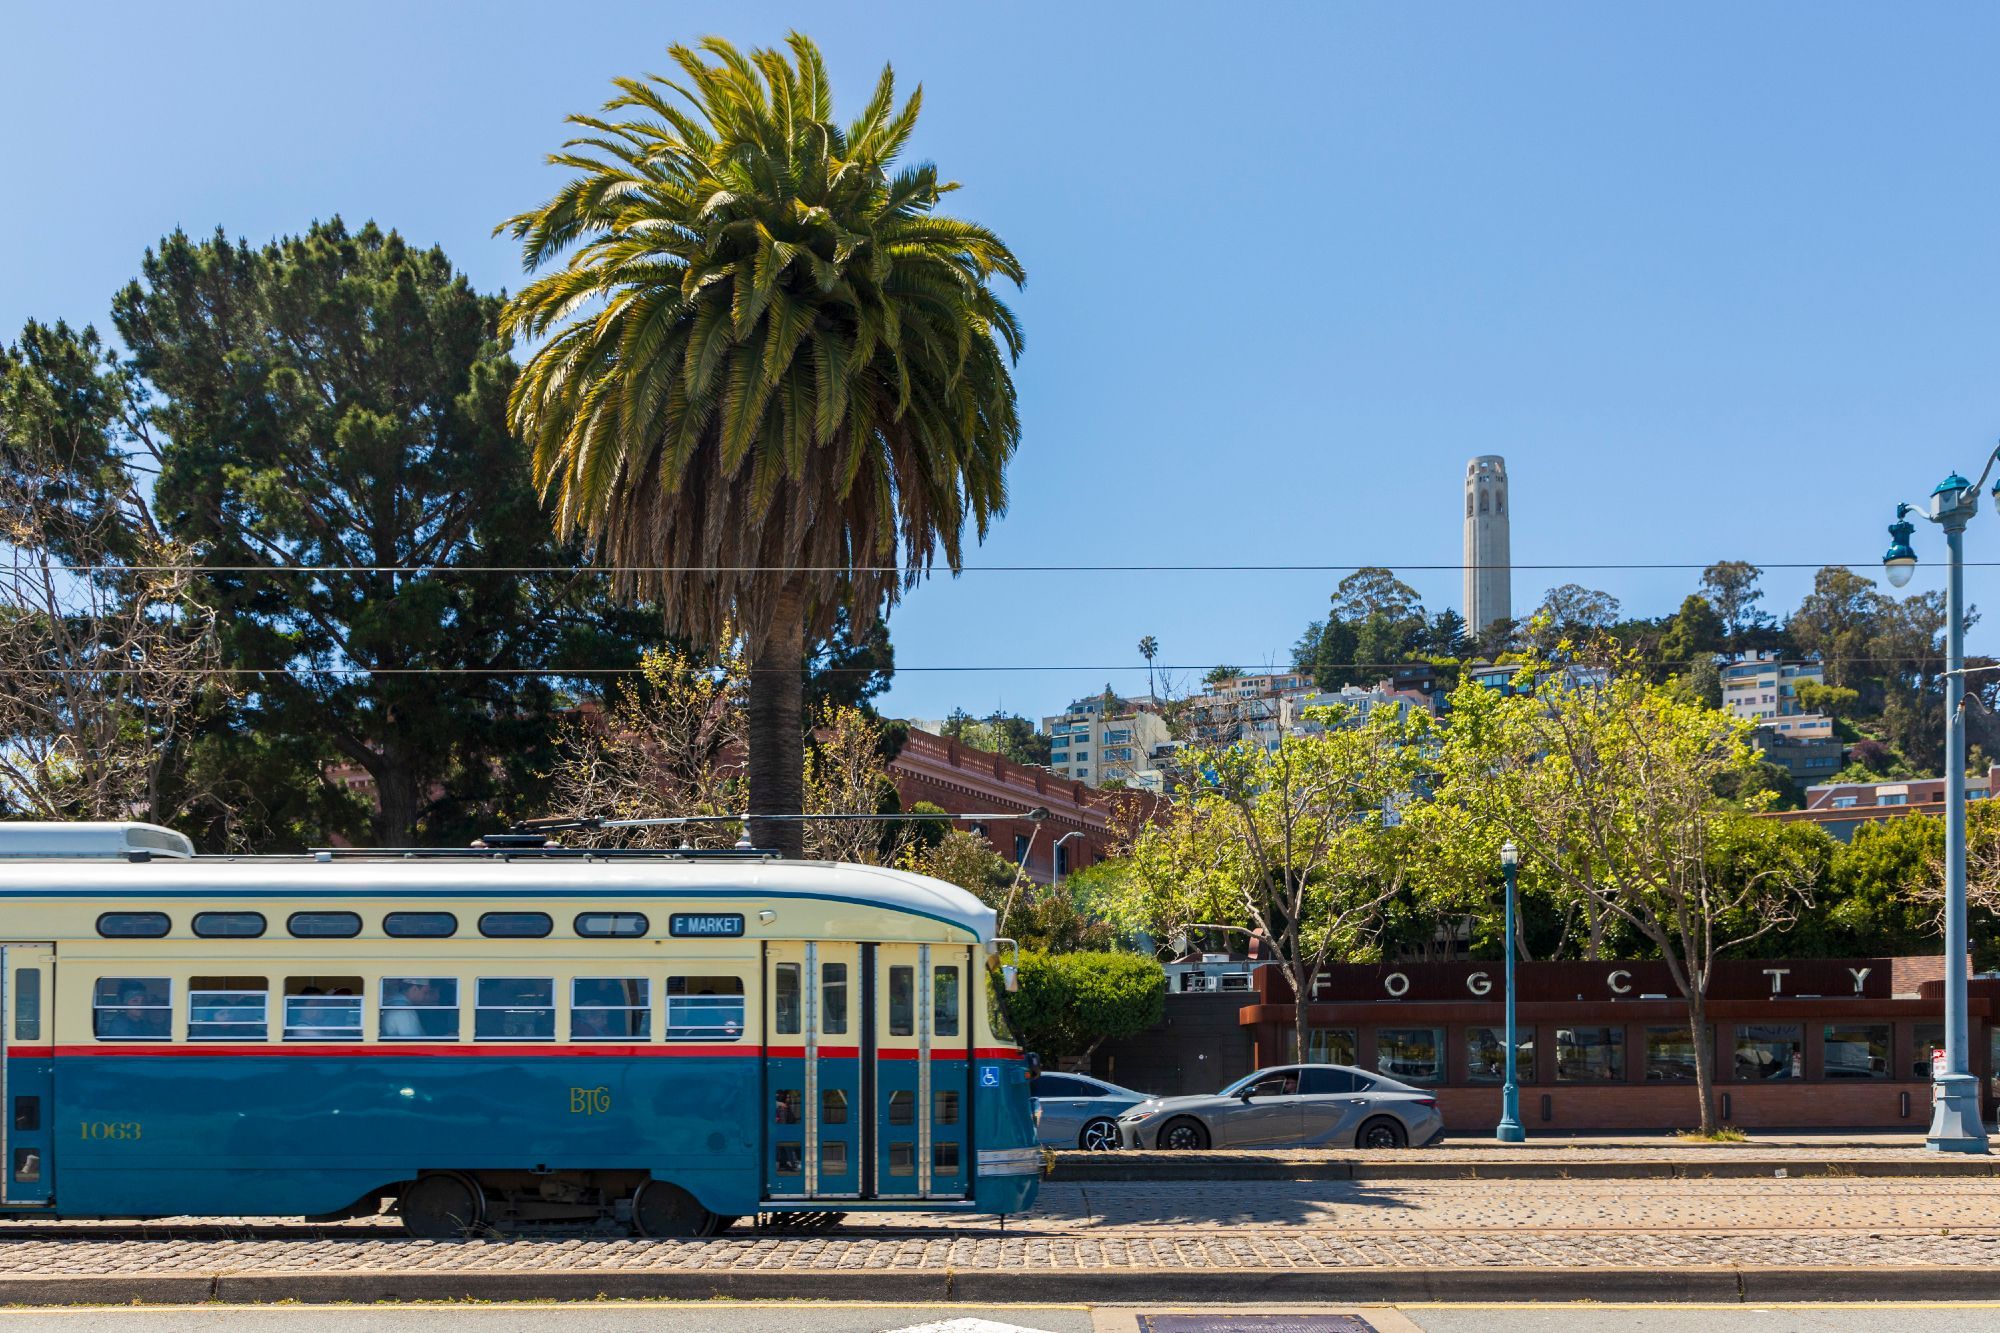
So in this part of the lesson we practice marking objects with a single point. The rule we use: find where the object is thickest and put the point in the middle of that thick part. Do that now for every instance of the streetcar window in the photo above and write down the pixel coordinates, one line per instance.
(133, 925)
(833, 999)
(944, 1158)
(902, 1107)
(704, 1009)
(229, 925)
(419, 1008)
(228, 1008)
(944, 1012)
(833, 1106)
(610, 1009)
(515, 925)
(945, 1112)
(790, 1158)
(324, 925)
(420, 925)
(785, 1004)
(323, 1008)
(832, 1157)
(902, 1001)
(902, 1159)
(611, 925)
(27, 1003)
(132, 1009)
(515, 1009)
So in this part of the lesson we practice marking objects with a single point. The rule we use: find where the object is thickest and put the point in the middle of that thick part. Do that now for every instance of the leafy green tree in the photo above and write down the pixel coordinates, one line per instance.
(1070, 1003)
(1608, 789)
(1571, 611)
(1837, 621)
(1006, 734)
(1696, 631)
(1302, 840)
(1835, 701)
(337, 401)
(791, 391)
(1446, 636)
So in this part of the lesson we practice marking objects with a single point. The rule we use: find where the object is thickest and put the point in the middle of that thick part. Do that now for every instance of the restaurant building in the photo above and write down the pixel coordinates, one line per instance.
(1794, 1044)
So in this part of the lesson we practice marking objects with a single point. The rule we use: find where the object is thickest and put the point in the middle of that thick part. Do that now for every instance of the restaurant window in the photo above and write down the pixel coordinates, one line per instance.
(1929, 1037)
(323, 1008)
(419, 1008)
(1590, 1055)
(610, 1009)
(1854, 1050)
(514, 1009)
(229, 925)
(1325, 1046)
(1414, 1055)
(228, 1008)
(1670, 1054)
(1766, 1051)
(704, 1009)
(1486, 1055)
(132, 1009)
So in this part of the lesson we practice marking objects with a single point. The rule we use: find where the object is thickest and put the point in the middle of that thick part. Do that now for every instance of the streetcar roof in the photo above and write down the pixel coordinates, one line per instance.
(525, 877)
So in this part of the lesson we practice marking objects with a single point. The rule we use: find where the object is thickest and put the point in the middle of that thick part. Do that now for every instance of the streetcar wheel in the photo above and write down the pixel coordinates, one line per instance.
(663, 1211)
(441, 1207)
(1382, 1132)
(1099, 1135)
(1184, 1135)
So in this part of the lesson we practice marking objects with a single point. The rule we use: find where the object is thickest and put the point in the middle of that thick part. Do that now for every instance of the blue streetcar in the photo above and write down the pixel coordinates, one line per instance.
(512, 1038)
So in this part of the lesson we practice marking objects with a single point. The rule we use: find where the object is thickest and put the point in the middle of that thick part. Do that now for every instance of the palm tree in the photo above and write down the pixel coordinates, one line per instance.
(776, 382)
(1149, 648)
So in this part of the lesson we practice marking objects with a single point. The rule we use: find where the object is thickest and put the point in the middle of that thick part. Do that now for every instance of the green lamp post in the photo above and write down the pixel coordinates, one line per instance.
(1956, 1125)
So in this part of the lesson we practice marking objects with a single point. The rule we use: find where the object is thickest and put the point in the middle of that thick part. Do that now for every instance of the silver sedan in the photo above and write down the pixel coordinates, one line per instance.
(1296, 1106)
(1077, 1111)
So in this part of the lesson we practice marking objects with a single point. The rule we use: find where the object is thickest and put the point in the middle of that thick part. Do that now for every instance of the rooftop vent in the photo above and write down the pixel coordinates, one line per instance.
(109, 841)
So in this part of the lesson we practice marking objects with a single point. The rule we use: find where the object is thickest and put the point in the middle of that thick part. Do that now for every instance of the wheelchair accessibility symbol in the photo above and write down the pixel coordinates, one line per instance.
(989, 1076)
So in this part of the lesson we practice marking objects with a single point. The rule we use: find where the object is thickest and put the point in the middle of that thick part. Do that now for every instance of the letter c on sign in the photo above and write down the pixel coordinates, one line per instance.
(1620, 982)
(1396, 984)
(1479, 983)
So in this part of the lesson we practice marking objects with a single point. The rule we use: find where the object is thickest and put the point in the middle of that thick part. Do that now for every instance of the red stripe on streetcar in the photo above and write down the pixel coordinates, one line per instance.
(308, 1049)
(20, 1052)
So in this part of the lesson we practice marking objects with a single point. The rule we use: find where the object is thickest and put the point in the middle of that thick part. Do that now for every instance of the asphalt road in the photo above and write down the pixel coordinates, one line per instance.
(725, 1317)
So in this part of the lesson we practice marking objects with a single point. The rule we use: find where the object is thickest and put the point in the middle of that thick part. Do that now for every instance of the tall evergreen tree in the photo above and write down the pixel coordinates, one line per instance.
(338, 401)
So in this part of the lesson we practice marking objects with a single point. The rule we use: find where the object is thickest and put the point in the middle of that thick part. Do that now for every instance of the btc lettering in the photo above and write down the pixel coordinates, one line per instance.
(589, 1101)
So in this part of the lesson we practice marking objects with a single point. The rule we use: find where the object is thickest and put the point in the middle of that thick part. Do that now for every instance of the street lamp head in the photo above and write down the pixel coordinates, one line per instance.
(1510, 856)
(1899, 562)
(1951, 495)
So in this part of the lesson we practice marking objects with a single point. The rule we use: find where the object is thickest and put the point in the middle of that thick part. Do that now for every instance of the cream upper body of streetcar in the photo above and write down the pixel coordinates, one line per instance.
(57, 878)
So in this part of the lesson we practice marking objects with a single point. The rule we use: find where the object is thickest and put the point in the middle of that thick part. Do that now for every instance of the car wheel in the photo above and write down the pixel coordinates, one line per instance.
(1382, 1132)
(444, 1206)
(1100, 1135)
(1184, 1135)
(662, 1211)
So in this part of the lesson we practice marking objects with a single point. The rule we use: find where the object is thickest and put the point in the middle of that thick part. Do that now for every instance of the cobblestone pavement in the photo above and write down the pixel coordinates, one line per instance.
(1456, 1224)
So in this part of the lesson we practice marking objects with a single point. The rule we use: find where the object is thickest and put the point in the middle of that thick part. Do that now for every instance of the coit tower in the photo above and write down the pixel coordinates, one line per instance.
(1487, 581)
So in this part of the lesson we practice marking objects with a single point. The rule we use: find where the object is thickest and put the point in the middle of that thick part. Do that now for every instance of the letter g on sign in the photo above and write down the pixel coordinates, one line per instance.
(1480, 983)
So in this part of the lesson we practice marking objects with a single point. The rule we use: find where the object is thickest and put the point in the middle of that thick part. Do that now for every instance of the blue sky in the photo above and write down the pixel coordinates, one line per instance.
(1720, 281)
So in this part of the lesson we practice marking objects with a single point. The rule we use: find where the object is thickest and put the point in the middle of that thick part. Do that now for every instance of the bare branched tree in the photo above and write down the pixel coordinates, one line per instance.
(105, 655)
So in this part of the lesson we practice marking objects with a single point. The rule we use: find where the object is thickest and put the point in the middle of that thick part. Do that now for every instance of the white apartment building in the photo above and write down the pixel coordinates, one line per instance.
(1094, 746)
(1758, 686)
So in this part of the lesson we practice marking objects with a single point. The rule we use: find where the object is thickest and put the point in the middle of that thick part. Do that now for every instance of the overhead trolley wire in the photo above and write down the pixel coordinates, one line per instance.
(430, 570)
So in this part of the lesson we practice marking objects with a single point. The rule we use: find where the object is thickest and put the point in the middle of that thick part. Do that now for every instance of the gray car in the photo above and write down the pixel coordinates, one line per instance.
(1294, 1106)
(1077, 1111)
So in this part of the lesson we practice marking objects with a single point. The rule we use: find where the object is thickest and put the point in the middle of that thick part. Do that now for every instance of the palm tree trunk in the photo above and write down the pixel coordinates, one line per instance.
(777, 727)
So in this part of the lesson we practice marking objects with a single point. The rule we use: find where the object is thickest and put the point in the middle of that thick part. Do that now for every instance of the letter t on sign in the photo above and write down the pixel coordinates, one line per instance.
(1777, 976)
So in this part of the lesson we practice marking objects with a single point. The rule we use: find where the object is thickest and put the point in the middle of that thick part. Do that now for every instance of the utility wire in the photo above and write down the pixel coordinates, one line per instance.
(431, 570)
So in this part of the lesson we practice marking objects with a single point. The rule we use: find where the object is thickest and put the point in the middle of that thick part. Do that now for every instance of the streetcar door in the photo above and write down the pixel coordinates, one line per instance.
(812, 1071)
(922, 1067)
(27, 1074)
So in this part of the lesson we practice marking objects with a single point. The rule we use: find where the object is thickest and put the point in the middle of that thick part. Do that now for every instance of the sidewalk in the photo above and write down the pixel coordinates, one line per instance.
(1481, 1240)
(1548, 1157)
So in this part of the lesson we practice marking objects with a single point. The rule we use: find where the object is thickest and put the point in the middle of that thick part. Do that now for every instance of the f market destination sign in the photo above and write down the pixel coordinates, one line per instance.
(1743, 979)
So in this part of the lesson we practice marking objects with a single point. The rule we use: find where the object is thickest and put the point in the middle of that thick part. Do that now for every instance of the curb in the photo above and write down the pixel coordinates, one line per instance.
(1725, 1285)
(1106, 1167)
